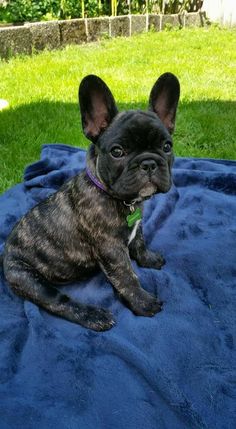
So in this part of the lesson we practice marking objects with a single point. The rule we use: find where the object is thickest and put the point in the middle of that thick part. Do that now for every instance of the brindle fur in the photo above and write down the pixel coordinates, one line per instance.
(81, 228)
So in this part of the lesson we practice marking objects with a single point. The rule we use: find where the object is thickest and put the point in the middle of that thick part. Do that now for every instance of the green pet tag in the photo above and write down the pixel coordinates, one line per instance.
(133, 217)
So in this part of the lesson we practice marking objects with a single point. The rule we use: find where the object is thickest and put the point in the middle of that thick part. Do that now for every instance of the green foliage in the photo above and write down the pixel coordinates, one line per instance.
(92, 8)
(27, 10)
(68, 9)
(18, 11)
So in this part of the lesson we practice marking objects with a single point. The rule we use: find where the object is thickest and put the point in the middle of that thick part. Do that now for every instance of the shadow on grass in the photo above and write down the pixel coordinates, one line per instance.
(205, 128)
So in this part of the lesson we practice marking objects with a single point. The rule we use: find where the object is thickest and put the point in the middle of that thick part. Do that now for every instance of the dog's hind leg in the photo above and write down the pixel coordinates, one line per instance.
(28, 284)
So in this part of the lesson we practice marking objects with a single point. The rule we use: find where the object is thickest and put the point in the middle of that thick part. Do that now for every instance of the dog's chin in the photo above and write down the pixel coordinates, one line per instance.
(148, 190)
(142, 192)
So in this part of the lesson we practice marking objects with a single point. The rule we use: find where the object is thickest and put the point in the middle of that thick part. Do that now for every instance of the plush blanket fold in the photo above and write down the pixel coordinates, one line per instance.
(176, 370)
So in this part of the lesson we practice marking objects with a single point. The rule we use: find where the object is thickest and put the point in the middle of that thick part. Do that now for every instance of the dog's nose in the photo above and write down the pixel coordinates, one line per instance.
(148, 165)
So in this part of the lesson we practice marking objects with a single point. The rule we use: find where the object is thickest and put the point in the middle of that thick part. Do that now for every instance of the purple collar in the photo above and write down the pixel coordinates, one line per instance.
(100, 186)
(134, 216)
(95, 181)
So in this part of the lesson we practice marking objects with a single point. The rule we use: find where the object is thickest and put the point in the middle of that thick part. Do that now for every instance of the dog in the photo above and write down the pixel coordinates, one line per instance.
(94, 220)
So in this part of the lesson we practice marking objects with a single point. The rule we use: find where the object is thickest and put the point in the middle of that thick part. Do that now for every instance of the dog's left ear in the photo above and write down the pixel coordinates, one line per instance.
(97, 106)
(164, 99)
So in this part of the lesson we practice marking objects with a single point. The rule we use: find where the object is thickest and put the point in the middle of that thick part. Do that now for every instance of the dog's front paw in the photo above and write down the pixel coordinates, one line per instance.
(94, 318)
(101, 320)
(158, 261)
(151, 260)
(147, 305)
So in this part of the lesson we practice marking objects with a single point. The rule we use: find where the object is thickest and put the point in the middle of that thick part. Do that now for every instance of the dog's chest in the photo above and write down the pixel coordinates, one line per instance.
(134, 231)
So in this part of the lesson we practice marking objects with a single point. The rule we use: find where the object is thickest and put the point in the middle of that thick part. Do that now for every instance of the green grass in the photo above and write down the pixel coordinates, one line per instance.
(42, 92)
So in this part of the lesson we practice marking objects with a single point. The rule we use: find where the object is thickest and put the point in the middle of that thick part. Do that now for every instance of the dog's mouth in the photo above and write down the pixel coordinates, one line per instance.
(144, 191)
(155, 184)
(148, 190)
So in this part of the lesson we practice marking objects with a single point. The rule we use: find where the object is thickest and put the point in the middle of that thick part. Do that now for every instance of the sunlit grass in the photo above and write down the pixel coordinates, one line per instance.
(42, 92)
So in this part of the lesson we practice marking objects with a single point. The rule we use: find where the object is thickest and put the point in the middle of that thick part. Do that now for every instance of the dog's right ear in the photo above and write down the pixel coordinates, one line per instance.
(97, 106)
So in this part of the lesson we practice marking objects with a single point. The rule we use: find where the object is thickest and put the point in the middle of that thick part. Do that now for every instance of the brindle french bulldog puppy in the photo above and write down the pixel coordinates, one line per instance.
(93, 221)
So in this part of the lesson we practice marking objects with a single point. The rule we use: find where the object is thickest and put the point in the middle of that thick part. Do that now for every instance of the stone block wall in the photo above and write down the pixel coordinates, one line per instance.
(16, 40)
(120, 26)
(139, 24)
(44, 35)
(34, 37)
(97, 28)
(72, 31)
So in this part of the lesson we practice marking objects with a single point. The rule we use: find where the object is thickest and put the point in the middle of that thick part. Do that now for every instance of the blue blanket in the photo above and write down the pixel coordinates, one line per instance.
(176, 370)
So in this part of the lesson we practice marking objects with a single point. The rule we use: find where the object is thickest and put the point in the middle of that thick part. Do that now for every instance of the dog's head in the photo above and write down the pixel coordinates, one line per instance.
(134, 148)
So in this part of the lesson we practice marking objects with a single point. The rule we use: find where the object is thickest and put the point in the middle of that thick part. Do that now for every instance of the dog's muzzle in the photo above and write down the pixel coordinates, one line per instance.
(155, 175)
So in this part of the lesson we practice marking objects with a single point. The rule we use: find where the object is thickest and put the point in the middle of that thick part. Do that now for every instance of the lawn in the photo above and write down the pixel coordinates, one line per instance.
(42, 92)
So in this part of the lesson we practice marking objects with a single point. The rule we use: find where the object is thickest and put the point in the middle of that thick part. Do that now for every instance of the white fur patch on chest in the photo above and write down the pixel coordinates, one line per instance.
(134, 230)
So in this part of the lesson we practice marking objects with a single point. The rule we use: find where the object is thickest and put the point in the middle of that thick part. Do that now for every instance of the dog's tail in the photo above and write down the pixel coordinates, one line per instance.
(26, 283)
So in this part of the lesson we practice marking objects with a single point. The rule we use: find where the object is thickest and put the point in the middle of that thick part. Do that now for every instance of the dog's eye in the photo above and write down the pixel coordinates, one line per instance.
(117, 152)
(167, 147)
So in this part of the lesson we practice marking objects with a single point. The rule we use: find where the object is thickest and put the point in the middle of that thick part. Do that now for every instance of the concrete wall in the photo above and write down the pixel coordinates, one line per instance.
(54, 34)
